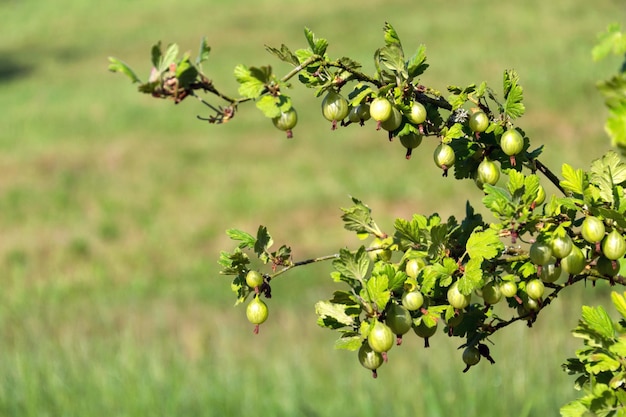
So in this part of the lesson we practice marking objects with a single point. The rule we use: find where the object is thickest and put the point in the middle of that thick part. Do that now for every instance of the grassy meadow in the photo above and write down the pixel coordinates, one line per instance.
(113, 208)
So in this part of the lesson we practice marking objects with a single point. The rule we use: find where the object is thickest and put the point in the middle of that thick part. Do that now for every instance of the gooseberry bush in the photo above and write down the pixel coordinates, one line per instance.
(428, 274)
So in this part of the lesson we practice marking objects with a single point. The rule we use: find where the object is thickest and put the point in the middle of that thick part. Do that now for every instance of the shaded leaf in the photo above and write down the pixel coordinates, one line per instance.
(472, 278)
(358, 218)
(351, 341)
(337, 312)
(513, 94)
(352, 265)
(416, 65)
(284, 54)
(203, 52)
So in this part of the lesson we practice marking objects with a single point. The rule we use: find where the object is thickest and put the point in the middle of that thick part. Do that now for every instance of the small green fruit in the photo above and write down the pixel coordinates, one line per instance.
(254, 279)
(381, 337)
(614, 246)
(256, 311)
(479, 121)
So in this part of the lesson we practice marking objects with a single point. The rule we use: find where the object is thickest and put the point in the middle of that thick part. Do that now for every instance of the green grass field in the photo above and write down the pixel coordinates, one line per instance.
(113, 208)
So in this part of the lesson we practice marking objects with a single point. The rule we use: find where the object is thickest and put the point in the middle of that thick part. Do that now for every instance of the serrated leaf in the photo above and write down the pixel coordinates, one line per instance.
(605, 174)
(378, 291)
(396, 277)
(318, 46)
(601, 362)
(484, 244)
(203, 52)
(573, 179)
(351, 265)
(472, 278)
(391, 56)
(351, 342)
(252, 80)
(263, 242)
(454, 132)
(513, 94)
(115, 65)
(498, 201)
(337, 312)
(515, 184)
(597, 320)
(273, 106)
(391, 36)
(407, 230)
(358, 218)
(416, 65)
(440, 273)
(246, 239)
(284, 54)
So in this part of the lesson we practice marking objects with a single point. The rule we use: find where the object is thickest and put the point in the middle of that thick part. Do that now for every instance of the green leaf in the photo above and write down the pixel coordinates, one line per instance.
(605, 174)
(156, 54)
(573, 180)
(472, 278)
(284, 54)
(115, 65)
(619, 302)
(597, 319)
(252, 80)
(408, 230)
(246, 239)
(615, 127)
(169, 58)
(619, 347)
(203, 52)
(378, 290)
(263, 243)
(513, 94)
(349, 341)
(610, 41)
(601, 362)
(498, 201)
(352, 265)
(416, 65)
(391, 56)
(272, 106)
(454, 132)
(484, 244)
(391, 36)
(337, 312)
(358, 218)
(396, 277)
(574, 409)
(186, 72)
(318, 46)
(614, 91)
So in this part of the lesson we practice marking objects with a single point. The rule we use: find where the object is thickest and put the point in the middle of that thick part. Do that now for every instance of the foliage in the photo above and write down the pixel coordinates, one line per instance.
(458, 266)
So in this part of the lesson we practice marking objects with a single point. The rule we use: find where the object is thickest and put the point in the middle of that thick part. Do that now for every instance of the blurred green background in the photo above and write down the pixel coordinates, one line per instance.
(113, 208)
